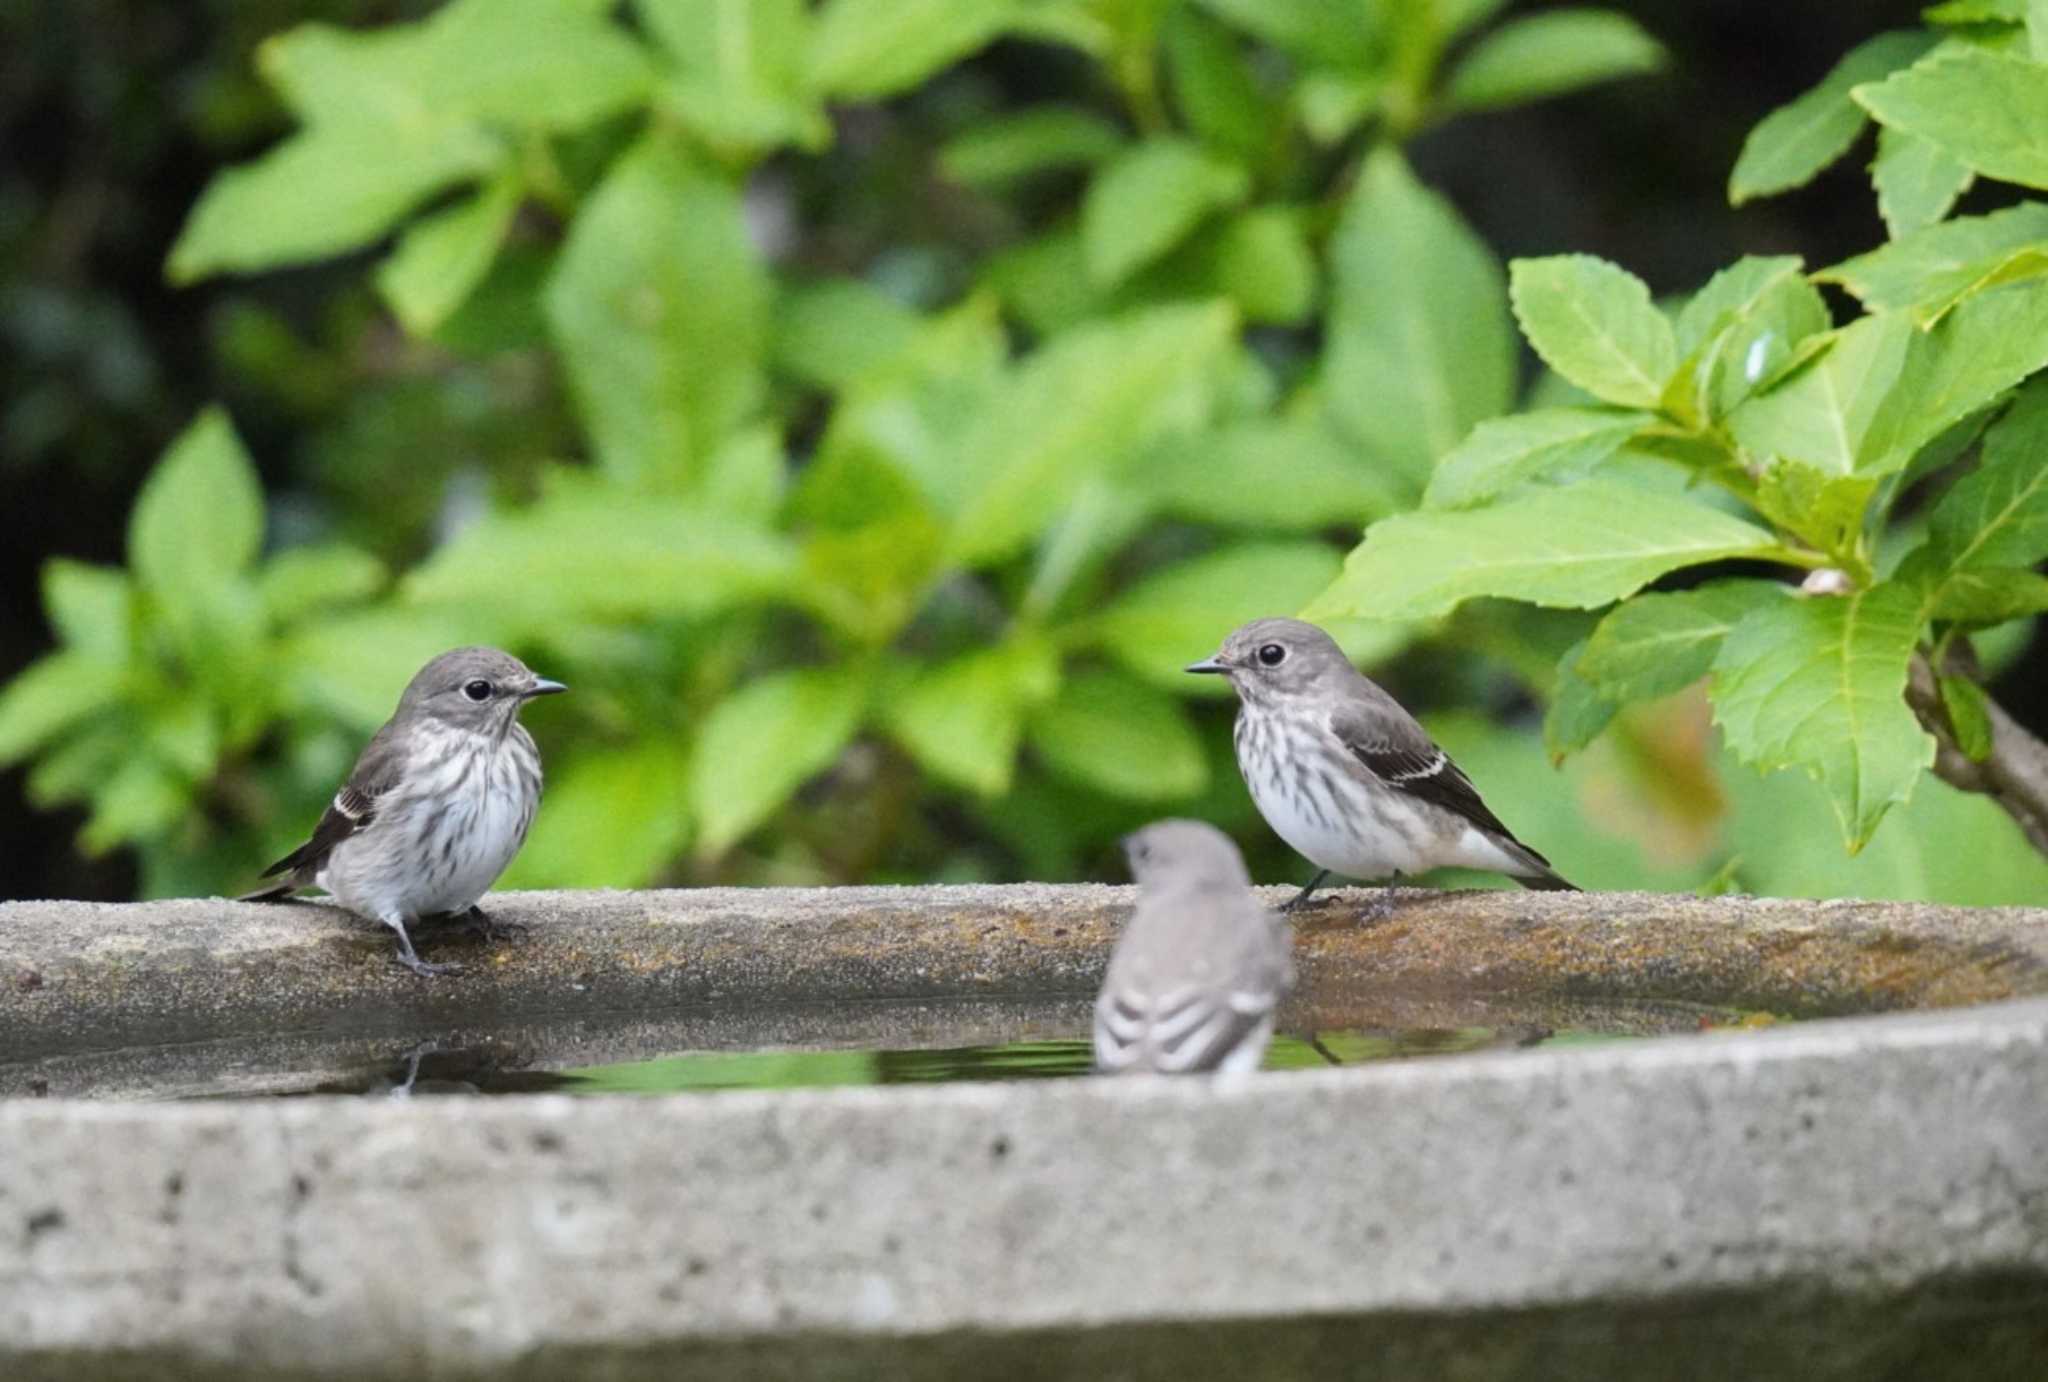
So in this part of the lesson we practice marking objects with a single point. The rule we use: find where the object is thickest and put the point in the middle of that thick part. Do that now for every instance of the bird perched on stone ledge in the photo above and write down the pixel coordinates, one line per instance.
(437, 806)
(1345, 775)
(1197, 976)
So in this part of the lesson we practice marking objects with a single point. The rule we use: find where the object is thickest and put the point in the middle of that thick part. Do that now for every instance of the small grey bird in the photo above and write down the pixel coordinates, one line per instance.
(437, 805)
(1345, 775)
(1199, 971)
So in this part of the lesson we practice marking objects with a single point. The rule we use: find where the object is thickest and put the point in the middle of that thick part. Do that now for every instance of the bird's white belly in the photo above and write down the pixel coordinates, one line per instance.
(436, 850)
(1335, 825)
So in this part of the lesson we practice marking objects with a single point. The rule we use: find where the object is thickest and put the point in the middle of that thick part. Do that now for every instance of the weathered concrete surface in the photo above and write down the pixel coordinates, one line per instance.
(83, 977)
(1865, 1198)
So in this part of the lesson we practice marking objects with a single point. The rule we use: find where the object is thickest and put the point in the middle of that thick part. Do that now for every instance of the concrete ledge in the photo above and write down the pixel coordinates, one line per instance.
(88, 977)
(1862, 1198)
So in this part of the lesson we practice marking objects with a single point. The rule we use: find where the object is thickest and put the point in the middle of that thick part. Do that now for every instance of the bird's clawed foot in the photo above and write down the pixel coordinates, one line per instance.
(409, 957)
(478, 922)
(1300, 899)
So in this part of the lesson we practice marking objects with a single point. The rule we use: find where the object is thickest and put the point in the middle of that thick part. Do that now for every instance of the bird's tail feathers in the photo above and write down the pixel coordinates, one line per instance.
(1548, 881)
(276, 892)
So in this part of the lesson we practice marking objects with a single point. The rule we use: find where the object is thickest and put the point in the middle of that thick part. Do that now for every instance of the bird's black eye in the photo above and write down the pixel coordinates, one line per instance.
(478, 690)
(1272, 654)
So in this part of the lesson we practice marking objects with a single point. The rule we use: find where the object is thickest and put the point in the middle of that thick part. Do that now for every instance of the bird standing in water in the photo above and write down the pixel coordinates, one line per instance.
(1345, 775)
(437, 805)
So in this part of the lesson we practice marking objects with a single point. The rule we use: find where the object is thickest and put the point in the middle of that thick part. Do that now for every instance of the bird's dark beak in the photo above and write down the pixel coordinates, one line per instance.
(542, 687)
(1208, 664)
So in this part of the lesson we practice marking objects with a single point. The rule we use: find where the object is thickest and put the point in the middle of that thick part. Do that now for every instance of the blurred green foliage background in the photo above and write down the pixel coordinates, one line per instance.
(867, 410)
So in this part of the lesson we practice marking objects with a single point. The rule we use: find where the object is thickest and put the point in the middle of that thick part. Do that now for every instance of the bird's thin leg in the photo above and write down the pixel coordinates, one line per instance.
(1315, 1044)
(408, 957)
(477, 920)
(1302, 897)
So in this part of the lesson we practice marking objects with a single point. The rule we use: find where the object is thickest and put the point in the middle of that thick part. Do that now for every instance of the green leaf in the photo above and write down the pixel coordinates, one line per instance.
(1819, 683)
(1988, 343)
(2037, 29)
(440, 260)
(1179, 614)
(871, 48)
(326, 190)
(51, 695)
(1917, 181)
(1794, 142)
(1988, 595)
(765, 740)
(589, 551)
(1146, 200)
(1986, 109)
(1754, 344)
(198, 521)
(1317, 31)
(1578, 547)
(1290, 474)
(612, 818)
(737, 75)
(963, 719)
(1942, 261)
(1545, 54)
(833, 331)
(1976, 12)
(1419, 347)
(1577, 713)
(1550, 443)
(1215, 88)
(1594, 323)
(1968, 716)
(1120, 737)
(1082, 404)
(660, 309)
(747, 476)
(1997, 515)
(1652, 645)
(92, 608)
(1003, 149)
(1827, 511)
(1822, 413)
(294, 583)
(1730, 295)
(533, 63)
(141, 799)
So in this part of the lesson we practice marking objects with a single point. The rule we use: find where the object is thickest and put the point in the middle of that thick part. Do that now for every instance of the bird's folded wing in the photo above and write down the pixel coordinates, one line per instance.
(352, 809)
(1406, 759)
(1194, 1027)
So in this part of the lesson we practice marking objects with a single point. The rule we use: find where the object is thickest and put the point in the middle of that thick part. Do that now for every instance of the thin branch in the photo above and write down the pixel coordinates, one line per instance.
(2014, 774)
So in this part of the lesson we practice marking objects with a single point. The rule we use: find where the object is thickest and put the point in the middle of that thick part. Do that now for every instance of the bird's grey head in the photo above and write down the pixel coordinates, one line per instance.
(1273, 659)
(477, 689)
(1184, 853)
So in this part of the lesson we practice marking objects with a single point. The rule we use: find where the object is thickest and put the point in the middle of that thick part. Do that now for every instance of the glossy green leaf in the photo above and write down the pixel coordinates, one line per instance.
(1988, 343)
(1986, 109)
(1179, 614)
(1655, 644)
(587, 551)
(1822, 414)
(51, 695)
(198, 522)
(296, 582)
(1794, 142)
(1290, 474)
(963, 719)
(1753, 340)
(1083, 403)
(1997, 515)
(1986, 595)
(611, 818)
(660, 309)
(1577, 713)
(1819, 684)
(1120, 737)
(1146, 200)
(737, 71)
(1004, 148)
(1935, 264)
(1917, 181)
(1578, 547)
(1593, 322)
(441, 259)
(1550, 53)
(1418, 342)
(1547, 444)
(1730, 294)
(765, 740)
(872, 48)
